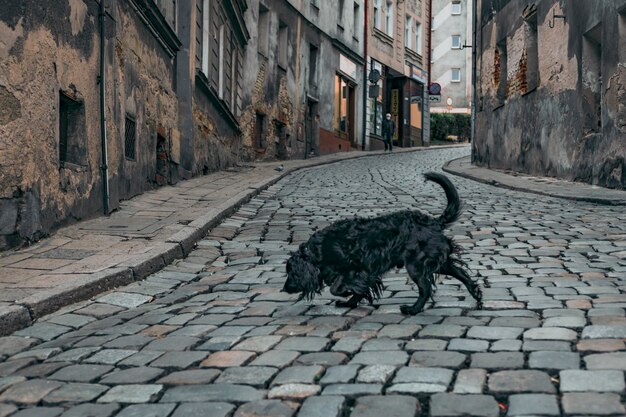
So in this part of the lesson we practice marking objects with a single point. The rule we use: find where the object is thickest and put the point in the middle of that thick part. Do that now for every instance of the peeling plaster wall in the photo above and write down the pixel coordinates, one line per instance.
(269, 89)
(547, 130)
(48, 47)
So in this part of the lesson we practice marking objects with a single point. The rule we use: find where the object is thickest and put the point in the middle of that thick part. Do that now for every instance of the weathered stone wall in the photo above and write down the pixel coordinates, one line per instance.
(49, 47)
(270, 89)
(553, 129)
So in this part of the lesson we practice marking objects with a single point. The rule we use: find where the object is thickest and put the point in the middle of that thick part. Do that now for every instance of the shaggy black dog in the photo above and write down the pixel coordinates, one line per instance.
(351, 256)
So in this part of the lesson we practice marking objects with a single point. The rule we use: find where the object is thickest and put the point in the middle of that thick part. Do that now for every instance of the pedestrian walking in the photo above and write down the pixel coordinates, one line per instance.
(389, 128)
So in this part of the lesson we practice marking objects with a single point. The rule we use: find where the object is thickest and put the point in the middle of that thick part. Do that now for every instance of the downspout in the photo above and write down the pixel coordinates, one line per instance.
(103, 127)
(474, 75)
(430, 58)
(430, 39)
(365, 85)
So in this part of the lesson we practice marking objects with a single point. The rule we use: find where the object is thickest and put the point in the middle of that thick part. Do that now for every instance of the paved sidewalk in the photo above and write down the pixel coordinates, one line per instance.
(146, 234)
(539, 185)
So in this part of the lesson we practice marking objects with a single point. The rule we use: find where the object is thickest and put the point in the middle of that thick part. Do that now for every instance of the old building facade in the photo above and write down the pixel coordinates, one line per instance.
(398, 53)
(451, 66)
(551, 91)
(91, 113)
(304, 72)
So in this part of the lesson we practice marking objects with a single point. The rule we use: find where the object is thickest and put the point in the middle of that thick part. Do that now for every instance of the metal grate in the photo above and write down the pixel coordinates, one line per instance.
(129, 143)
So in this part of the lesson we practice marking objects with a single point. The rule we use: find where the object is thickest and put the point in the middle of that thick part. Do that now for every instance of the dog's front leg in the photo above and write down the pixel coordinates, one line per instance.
(423, 283)
(351, 303)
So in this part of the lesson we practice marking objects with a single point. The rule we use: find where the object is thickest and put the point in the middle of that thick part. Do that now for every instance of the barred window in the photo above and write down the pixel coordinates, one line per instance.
(129, 138)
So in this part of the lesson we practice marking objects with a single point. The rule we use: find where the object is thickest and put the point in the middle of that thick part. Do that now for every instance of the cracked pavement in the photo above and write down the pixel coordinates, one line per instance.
(212, 335)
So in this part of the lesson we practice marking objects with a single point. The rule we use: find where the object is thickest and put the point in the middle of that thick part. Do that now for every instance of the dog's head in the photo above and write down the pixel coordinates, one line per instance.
(302, 275)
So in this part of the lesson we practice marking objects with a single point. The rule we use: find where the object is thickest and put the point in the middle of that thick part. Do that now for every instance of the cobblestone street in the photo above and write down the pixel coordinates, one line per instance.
(212, 335)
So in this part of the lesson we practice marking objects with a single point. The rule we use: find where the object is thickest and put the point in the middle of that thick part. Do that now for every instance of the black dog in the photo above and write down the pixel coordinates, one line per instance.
(351, 256)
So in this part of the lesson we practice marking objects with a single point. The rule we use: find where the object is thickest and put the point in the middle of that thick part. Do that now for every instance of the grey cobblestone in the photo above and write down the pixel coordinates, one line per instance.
(533, 404)
(227, 335)
(204, 410)
(326, 406)
(448, 405)
(389, 406)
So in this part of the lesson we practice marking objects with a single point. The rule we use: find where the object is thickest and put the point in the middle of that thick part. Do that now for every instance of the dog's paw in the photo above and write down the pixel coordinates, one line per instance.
(342, 303)
(408, 310)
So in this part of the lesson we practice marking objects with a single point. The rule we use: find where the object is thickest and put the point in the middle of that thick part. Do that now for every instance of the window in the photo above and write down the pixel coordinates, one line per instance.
(315, 3)
(263, 28)
(220, 71)
(532, 53)
(168, 10)
(389, 18)
(72, 129)
(340, 5)
(621, 28)
(407, 32)
(418, 38)
(206, 26)
(456, 75)
(456, 41)
(500, 73)
(342, 104)
(129, 138)
(591, 75)
(456, 7)
(313, 65)
(283, 38)
(234, 87)
(377, 15)
(355, 16)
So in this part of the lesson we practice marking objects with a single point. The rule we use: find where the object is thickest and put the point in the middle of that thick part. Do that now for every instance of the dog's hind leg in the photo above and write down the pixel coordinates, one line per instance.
(449, 268)
(351, 303)
(423, 280)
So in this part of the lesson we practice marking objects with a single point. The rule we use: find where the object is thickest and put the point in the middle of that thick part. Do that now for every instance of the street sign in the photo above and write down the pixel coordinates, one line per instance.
(435, 99)
(434, 88)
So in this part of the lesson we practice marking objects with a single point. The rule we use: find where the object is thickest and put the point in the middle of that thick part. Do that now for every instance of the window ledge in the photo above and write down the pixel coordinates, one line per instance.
(532, 90)
(70, 166)
(383, 36)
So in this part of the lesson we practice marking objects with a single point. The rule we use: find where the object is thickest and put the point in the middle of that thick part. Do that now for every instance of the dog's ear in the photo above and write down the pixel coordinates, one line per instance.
(307, 276)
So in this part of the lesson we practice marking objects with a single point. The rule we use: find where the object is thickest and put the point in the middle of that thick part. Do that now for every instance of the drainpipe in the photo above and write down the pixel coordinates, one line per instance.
(103, 119)
(430, 39)
(474, 75)
(365, 85)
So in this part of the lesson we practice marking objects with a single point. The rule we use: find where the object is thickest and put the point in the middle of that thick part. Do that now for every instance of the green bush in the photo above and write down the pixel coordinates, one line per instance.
(443, 125)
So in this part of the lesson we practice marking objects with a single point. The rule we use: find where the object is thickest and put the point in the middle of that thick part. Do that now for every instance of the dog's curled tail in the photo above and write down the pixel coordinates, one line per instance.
(453, 210)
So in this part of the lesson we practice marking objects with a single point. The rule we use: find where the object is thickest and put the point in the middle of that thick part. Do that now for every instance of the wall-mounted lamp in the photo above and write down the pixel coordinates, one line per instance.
(554, 17)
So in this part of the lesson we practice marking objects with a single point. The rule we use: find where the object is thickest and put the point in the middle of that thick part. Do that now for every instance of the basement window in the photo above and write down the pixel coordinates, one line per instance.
(72, 130)
(129, 138)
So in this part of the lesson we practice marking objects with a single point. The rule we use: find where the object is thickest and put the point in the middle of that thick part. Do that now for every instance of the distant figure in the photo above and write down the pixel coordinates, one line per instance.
(389, 128)
(279, 168)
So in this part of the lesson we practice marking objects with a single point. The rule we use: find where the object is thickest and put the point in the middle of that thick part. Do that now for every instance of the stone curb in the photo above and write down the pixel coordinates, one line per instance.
(177, 246)
(499, 179)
